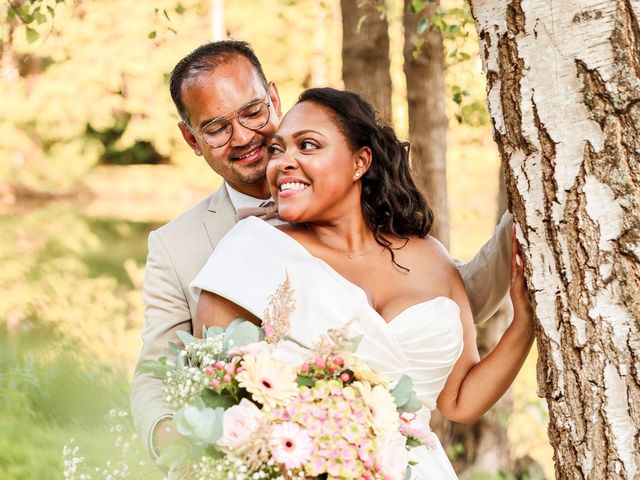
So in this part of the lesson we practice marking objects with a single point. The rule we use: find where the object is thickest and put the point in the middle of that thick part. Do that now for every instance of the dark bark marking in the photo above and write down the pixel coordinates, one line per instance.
(633, 33)
(515, 17)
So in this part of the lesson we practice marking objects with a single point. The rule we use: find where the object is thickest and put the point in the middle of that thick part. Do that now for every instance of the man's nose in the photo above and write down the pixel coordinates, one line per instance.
(241, 135)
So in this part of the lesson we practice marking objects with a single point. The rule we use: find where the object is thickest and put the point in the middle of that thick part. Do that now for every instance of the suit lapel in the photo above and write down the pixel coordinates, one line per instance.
(221, 216)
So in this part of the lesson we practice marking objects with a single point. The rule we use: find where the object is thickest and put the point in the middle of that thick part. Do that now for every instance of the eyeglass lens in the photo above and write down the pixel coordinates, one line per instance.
(253, 117)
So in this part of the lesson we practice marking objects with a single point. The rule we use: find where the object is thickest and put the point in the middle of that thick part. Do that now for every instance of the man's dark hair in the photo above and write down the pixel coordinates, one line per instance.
(206, 58)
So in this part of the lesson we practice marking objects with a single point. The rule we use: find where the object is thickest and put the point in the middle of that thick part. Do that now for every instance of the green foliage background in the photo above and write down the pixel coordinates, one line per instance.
(91, 161)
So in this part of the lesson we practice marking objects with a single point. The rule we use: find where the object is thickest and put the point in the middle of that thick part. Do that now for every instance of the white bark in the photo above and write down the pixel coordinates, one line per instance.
(563, 80)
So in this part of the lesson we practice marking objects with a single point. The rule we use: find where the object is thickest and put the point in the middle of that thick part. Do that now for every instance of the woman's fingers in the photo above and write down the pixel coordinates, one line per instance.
(515, 252)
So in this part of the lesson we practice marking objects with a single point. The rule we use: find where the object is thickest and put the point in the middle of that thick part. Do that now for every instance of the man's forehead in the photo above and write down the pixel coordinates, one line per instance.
(222, 88)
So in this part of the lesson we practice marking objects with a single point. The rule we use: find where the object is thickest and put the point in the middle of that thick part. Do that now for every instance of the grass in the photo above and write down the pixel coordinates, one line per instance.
(53, 391)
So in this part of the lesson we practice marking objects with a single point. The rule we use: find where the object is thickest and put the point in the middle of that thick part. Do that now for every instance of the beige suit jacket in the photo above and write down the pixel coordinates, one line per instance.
(179, 249)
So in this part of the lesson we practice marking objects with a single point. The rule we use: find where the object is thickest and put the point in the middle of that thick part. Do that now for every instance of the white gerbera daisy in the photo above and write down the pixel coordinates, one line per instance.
(269, 382)
(290, 445)
(384, 414)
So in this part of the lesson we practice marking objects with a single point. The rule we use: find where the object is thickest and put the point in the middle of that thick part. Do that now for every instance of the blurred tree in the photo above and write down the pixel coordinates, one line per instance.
(424, 72)
(218, 26)
(365, 52)
(319, 75)
(564, 96)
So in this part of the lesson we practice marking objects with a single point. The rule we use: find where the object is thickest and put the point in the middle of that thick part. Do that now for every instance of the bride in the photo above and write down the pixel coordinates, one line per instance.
(357, 246)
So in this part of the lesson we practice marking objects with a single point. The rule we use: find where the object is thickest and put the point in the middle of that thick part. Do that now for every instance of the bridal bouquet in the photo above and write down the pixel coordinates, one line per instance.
(253, 404)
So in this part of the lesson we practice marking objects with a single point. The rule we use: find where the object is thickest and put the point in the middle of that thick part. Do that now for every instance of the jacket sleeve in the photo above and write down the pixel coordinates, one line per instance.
(487, 276)
(166, 311)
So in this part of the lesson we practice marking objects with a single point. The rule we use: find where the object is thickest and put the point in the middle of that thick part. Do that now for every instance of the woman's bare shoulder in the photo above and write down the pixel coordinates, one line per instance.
(429, 250)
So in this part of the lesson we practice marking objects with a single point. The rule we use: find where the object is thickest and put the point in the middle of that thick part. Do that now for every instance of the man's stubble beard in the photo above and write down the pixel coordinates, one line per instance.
(257, 176)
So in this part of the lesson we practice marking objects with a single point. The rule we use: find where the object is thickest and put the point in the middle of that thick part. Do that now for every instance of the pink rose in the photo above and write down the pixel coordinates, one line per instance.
(239, 423)
(411, 426)
(392, 457)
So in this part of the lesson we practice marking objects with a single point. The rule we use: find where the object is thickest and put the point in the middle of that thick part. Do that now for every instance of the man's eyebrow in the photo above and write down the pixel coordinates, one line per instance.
(207, 121)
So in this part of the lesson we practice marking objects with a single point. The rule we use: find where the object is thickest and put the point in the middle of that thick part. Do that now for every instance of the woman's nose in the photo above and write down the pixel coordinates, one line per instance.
(287, 160)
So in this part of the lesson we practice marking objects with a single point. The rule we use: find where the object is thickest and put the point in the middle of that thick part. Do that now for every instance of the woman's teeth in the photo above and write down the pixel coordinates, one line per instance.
(292, 186)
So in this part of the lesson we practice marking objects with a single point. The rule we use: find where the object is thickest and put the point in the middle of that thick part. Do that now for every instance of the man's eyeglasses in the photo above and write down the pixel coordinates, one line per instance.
(253, 116)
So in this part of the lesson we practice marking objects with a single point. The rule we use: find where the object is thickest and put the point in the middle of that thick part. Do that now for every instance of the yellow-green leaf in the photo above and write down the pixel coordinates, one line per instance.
(32, 35)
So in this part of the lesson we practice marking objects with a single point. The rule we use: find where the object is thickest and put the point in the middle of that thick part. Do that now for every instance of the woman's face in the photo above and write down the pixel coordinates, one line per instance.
(312, 169)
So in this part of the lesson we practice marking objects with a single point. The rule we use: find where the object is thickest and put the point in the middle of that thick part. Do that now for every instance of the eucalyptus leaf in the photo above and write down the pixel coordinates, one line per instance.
(181, 360)
(186, 337)
(403, 390)
(241, 333)
(212, 332)
(413, 405)
(201, 424)
(214, 400)
(158, 368)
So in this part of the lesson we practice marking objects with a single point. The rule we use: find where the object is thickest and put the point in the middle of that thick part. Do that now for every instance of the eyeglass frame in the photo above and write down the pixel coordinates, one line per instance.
(230, 116)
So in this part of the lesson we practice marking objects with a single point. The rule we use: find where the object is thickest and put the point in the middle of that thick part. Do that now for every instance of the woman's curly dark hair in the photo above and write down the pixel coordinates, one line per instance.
(391, 202)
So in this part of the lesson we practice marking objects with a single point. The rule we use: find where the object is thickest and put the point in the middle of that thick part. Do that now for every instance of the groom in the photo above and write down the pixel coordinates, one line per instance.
(228, 113)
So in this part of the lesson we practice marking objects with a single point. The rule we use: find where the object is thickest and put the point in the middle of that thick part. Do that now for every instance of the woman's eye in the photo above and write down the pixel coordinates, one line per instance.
(308, 145)
(274, 150)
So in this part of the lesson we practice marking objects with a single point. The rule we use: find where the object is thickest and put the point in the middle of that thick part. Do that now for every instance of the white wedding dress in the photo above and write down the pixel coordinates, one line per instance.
(424, 341)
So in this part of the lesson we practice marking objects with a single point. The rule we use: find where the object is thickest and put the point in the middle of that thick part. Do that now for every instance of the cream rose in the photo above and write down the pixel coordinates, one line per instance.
(239, 423)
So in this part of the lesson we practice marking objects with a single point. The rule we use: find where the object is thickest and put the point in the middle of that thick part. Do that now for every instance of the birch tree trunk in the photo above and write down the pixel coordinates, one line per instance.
(564, 95)
(424, 71)
(365, 52)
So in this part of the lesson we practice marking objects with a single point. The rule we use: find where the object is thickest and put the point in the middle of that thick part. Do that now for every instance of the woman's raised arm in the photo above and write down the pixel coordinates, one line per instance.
(475, 385)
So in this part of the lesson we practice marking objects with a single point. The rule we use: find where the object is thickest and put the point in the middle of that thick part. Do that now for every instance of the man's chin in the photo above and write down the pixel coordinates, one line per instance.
(251, 176)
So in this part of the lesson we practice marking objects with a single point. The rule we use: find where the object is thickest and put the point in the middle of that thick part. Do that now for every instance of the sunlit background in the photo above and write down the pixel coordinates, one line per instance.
(91, 160)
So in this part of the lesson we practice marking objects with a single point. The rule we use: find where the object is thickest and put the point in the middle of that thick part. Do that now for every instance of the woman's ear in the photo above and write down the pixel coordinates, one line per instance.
(363, 157)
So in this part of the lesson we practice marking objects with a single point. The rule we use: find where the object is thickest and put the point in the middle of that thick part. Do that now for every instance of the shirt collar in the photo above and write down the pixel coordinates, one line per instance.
(242, 200)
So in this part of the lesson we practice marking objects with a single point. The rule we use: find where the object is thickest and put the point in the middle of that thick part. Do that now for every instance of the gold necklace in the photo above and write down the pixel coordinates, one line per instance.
(342, 252)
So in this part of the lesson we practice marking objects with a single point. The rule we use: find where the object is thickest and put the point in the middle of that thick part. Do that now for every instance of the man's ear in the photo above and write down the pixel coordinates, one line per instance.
(363, 160)
(189, 137)
(275, 99)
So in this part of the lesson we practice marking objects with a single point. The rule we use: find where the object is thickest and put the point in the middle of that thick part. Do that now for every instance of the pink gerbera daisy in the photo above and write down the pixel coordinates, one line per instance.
(290, 445)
